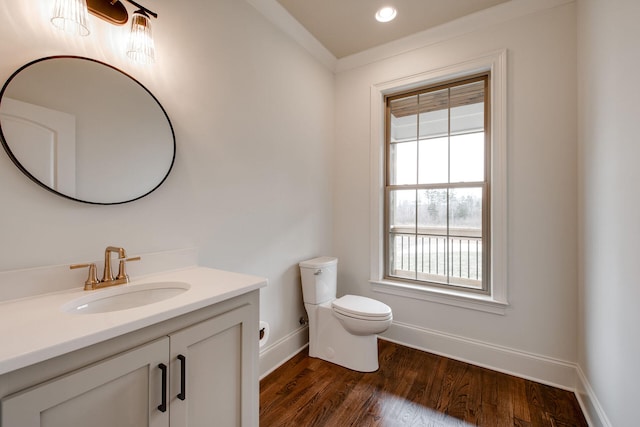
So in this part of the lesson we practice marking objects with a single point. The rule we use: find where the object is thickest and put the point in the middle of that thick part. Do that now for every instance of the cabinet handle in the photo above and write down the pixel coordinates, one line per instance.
(183, 377)
(163, 406)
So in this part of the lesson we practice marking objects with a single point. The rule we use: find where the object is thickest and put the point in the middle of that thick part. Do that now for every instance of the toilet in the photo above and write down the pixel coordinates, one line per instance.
(341, 330)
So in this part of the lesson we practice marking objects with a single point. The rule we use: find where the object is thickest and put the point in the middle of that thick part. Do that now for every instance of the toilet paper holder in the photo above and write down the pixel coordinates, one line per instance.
(263, 333)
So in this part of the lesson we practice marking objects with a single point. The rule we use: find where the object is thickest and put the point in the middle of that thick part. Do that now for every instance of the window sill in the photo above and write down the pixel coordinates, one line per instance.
(454, 298)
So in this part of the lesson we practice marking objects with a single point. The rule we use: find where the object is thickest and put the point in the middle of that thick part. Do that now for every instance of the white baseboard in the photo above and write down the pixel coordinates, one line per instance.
(274, 355)
(542, 369)
(534, 367)
(591, 408)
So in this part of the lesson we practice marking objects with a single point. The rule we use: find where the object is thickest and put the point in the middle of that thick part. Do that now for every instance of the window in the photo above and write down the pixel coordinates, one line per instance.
(390, 185)
(437, 185)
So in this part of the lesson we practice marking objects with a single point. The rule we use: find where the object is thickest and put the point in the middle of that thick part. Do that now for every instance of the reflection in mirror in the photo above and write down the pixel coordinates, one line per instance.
(85, 130)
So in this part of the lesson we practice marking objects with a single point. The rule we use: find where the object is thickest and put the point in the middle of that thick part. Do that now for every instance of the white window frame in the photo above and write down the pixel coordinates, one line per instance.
(496, 300)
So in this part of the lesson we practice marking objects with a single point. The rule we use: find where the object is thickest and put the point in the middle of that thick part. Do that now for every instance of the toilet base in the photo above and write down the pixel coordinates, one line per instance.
(328, 340)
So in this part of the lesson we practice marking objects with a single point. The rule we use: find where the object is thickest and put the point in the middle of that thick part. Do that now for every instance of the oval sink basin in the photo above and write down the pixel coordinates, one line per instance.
(124, 296)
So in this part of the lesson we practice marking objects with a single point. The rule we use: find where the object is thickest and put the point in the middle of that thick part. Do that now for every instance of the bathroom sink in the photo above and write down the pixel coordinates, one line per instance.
(124, 297)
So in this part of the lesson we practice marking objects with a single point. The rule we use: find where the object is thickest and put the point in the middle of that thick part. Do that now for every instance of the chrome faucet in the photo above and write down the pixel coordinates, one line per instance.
(107, 278)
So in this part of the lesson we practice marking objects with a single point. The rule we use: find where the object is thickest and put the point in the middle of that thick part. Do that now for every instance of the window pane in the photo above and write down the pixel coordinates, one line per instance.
(467, 119)
(404, 128)
(431, 244)
(402, 211)
(432, 212)
(465, 210)
(467, 158)
(434, 114)
(404, 119)
(467, 108)
(434, 159)
(465, 237)
(403, 163)
(402, 260)
(402, 238)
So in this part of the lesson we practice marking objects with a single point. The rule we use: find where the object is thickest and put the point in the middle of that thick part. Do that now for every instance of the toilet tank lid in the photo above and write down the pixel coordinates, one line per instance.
(322, 261)
(361, 306)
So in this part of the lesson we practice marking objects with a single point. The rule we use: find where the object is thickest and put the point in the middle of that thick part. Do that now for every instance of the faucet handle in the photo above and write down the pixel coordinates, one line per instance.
(92, 279)
(122, 273)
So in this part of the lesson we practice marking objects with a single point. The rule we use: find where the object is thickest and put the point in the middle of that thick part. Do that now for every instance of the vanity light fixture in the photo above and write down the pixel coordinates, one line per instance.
(386, 14)
(141, 47)
(71, 15)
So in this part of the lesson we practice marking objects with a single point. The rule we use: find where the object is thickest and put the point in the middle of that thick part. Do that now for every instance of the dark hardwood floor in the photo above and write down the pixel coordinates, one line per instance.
(411, 388)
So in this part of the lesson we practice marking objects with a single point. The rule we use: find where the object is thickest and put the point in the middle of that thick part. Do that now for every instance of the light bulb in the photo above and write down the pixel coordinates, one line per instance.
(386, 14)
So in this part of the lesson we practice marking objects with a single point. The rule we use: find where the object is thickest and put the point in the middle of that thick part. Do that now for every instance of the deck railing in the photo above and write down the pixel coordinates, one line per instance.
(433, 257)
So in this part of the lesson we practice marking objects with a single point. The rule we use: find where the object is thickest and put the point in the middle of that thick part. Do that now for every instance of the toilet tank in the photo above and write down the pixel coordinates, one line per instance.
(319, 277)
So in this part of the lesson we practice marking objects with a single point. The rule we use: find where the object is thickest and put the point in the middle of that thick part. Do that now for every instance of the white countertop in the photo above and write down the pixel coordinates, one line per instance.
(35, 329)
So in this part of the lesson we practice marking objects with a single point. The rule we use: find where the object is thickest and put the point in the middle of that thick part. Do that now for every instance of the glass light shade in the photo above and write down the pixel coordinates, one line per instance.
(71, 16)
(141, 48)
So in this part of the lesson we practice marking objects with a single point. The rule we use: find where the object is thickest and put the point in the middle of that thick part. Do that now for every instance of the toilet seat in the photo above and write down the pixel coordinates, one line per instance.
(362, 308)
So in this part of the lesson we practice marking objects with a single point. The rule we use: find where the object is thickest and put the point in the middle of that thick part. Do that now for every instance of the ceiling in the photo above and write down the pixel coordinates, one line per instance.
(346, 27)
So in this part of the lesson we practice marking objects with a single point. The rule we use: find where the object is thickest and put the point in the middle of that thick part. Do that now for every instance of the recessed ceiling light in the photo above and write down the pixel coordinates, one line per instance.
(386, 14)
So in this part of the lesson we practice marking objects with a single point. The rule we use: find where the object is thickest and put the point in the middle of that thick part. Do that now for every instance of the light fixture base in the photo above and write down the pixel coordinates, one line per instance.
(112, 12)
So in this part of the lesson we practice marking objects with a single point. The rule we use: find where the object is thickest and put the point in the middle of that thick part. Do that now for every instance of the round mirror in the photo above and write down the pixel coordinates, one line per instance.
(85, 130)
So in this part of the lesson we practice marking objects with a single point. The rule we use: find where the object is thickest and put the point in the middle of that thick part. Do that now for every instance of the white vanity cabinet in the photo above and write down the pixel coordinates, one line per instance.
(121, 391)
(199, 371)
(211, 379)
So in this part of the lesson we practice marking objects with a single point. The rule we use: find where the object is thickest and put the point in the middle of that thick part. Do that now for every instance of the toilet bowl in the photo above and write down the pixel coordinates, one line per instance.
(341, 330)
(361, 315)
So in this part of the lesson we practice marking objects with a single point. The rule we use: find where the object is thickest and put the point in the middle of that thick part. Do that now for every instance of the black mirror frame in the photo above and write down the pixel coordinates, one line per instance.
(46, 187)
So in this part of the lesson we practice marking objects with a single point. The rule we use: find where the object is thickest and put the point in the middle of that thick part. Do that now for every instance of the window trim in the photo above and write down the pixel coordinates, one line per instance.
(495, 301)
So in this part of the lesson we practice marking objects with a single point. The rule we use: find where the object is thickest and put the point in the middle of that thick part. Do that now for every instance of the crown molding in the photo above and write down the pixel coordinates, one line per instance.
(278, 15)
(467, 24)
(504, 12)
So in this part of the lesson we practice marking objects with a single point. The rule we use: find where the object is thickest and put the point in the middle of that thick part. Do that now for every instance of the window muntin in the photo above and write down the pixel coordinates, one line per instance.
(437, 187)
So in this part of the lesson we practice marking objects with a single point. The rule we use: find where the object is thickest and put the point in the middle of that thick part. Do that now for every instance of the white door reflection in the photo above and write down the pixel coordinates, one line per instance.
(47, 147)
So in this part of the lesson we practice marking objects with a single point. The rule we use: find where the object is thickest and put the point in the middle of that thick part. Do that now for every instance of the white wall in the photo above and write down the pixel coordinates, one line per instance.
(542, 181)
(253, 117)
(609, 60)
(254, 120)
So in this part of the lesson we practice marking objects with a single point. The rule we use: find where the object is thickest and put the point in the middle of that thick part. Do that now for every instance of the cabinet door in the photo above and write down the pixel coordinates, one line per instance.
(219, 361)
(123, 391)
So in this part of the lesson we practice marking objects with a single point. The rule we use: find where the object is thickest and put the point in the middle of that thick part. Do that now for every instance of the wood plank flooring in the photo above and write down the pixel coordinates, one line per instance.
(411, 388)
